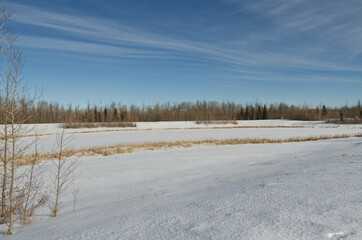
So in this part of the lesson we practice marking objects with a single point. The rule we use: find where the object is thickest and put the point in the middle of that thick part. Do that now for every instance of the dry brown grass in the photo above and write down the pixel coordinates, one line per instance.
(129, 148)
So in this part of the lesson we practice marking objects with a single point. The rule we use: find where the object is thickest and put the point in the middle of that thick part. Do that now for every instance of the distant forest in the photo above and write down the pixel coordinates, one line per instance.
(45, 112)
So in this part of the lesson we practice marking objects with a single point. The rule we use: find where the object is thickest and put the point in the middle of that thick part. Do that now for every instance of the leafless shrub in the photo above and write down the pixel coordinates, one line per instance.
(355, 120)
(263, 184)
(75, 194)
(221, 122)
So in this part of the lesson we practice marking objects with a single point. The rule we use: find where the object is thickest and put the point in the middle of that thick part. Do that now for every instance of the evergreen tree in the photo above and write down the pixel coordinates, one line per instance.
(105, 114)
(115, 115)
(265, 112)
(88, 117)
(51, 113)
(324, 111)
(258, 113)
(246, 116)
(252, 113)
(241, 113)
(96, 119)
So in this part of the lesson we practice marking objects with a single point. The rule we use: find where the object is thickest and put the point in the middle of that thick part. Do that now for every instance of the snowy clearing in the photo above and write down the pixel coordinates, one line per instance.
(309, 190)
(185, 131)
(305, 190)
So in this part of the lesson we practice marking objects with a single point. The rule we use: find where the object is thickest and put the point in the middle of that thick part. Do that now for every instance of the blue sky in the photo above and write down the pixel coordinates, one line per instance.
(142, 51)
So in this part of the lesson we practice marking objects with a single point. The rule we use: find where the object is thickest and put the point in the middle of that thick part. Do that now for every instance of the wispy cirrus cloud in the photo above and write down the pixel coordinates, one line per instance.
(287, 77)
(88, 48)
(330, 25)
(103, 37)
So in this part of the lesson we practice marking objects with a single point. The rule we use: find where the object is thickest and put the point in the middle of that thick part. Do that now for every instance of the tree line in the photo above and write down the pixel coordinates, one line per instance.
(52, 112)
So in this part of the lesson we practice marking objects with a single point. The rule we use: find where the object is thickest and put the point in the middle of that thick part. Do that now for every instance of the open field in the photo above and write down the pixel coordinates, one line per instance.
(190, 131)
(277, 190)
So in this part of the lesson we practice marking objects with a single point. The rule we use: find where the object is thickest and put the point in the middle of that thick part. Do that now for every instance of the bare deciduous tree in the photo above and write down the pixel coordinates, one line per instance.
(5, 16)
(14, 95)
(64, 174)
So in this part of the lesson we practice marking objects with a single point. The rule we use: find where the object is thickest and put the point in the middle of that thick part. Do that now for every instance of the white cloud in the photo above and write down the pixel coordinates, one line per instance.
(103, 37)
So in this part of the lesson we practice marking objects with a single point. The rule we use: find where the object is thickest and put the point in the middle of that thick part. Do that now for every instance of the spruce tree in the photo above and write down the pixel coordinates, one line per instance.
(258, 113)
(252, 113)
(241, 113)
(265, 112)
(96, 119)
(246, 116)
(324, 111)
(105, 114)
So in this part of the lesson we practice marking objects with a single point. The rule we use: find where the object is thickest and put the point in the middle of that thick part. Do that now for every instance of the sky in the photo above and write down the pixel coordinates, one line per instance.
(144, 52)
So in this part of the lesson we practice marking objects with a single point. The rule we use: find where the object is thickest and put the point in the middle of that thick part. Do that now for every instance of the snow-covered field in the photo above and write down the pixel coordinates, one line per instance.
(185, 131)
(53, 128)
(307, 190)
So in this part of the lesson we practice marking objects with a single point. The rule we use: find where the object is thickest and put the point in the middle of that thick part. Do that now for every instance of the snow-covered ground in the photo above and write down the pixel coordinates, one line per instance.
(309, 190)
(306, 190)
(53, 128)
(185, 131)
